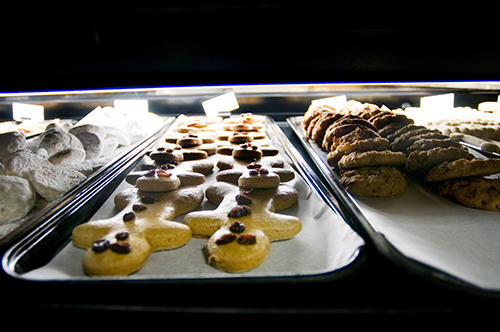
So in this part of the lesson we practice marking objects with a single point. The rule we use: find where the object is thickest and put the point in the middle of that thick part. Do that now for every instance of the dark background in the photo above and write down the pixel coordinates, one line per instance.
(115, 44)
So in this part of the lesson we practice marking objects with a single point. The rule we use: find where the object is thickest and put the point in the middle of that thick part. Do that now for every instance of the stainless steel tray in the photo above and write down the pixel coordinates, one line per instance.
(427, 234)
(327, 247)
(48, 210)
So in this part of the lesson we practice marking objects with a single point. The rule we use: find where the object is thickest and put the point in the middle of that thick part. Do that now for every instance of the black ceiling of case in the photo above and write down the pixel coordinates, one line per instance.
(112, 44)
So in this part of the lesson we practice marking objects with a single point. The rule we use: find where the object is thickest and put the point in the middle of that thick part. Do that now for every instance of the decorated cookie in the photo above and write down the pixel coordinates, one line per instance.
(122, 244)
(187, 124)
(188, 172)
(243, 224)
(247, 151)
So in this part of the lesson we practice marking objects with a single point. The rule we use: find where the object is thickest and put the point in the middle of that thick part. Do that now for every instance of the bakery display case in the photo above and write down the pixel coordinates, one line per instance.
(413, 253)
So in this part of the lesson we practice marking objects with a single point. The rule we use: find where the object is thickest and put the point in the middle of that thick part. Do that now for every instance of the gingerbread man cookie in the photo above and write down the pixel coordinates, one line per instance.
(198, 124)
(122, 244)
(245, 220)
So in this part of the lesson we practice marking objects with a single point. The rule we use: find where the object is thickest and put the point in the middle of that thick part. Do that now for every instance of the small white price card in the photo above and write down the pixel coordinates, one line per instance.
(21, 112)
(220, 104)
(444, 101)
(131, 106)
(337, 102)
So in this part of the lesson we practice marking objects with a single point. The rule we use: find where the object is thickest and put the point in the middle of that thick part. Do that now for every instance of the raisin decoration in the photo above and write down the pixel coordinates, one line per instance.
(121, 236)
(254, 172)
(120, 247)
(160, 149)
(139, 207)
(148, 199)
(247, 239)
(263, 171)
(225, 239)
(254, 147)
(239, 211)
(243, 199)
(100, 246)
(167, 166)
(254, 165)
(237, 227)
(129, 216)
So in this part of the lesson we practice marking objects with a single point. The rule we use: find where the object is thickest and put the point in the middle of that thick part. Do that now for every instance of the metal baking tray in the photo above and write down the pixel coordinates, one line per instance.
(44, 211)
(326, 248)
(420, 231)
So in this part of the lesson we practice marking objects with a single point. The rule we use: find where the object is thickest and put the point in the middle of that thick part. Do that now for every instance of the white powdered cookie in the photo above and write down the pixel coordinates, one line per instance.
(17, 198)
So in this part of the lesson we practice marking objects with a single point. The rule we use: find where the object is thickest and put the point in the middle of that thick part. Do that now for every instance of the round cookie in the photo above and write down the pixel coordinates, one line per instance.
(164, 154)
(312, 112)
(475, 192)
(423, 161)
(320, 127)
(372, 158)
(10, 142)
(189, 140)
(404, 141)
(430, 143)
(158, 181)
(235, 251)
(247, 151)
(252, 118)
(240, 137)
(17, 198)
(377, 143)
(462, 168)
(383, 181)
(259, 178)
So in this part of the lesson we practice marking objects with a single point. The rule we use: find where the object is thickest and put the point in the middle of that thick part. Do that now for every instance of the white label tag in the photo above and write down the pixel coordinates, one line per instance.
(337, 102)
(223, 103)
(444, 101)
(131, 106)
(21, 112)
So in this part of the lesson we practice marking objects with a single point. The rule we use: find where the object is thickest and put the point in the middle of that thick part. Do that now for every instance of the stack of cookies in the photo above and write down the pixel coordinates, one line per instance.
(374, 149)
(362, 156)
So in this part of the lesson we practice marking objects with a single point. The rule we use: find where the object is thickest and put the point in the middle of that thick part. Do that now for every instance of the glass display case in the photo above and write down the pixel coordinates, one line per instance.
(359, 254)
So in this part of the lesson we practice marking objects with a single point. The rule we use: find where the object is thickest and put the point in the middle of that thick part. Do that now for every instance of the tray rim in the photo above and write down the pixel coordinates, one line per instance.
(377, 239)
(11, 257)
